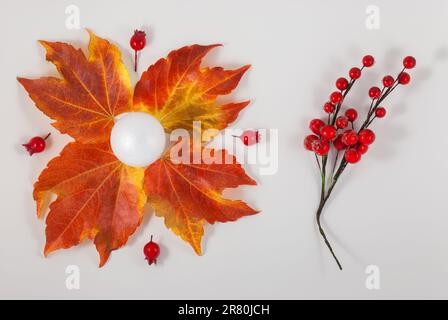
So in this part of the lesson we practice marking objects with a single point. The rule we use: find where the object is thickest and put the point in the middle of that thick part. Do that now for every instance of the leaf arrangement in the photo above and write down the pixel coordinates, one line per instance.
(338, 133)
(101, 198)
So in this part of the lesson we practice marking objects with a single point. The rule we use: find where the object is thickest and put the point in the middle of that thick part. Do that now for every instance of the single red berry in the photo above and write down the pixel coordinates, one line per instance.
(342, 83)
(366, 136)
(368, 61)
(336, 97)
(374, 92)
(388, 81)
(250, 137)
(151, 251)
(352, 155)
(316, 125)
(328, 107)
(36, 144)
(308, 142)
(338, 144)
(138, 42)
(341, 122)
(409, 62)
(321, 147)
(328, 132)
(380, 112)
(404, 78)
(350, 138)
(362, 148)
(351, 114)
(354, 73)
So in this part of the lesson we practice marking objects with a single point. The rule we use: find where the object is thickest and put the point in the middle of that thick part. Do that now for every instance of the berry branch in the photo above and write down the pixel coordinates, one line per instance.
(353, 143)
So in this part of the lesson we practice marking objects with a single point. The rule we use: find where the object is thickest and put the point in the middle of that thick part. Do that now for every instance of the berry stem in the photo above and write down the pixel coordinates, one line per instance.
(323, 199)
(334, 166)
(371, 105)
(135, 60)
(318, 163)
(46, 137)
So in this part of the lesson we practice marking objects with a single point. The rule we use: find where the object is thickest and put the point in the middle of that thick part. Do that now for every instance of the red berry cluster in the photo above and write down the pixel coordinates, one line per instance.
(339, 131)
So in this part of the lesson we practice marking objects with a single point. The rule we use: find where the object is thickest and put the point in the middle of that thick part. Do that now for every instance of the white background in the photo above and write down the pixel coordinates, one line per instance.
(390, 210)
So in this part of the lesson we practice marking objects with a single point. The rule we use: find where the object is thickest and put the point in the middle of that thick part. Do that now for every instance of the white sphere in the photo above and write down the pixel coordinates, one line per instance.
(138, 139)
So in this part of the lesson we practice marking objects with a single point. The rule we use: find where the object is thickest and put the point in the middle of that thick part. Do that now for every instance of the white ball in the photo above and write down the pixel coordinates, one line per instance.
(138, 139)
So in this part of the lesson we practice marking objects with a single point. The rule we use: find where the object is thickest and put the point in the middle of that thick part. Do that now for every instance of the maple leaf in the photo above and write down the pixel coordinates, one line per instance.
(90, 94)
(177, 91)
(99, 197)
(188, 194)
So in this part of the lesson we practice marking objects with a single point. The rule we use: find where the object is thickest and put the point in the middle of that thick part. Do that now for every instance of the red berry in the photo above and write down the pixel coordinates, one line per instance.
(342, 83)
(341, 122)
(336, 97)
(362, 148)
(138, 42)
(404, 78)
(36, 144)
(374, 92)
(354, 73)
(250, 137)
(409, 62)
(321, 147)
(349, 138)
(338, 144)
(151, 251)
(380, 112)
(316, 125)
(352, 155)
(351, 114)
(388, 81)
(328, 132)
(366, 136)
(328, 107)
(308, 142)
(368, 61)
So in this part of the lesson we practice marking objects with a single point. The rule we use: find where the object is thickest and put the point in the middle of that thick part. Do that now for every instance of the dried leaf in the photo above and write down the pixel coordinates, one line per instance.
(177, 91)
(188, 194)
(91, 92)
(98, 197)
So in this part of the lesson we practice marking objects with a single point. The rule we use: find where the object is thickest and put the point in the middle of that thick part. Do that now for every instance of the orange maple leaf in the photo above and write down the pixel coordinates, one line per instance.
(188, 194)
(101, 198)
(98, 197)
(90, 94)
(177, 91)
